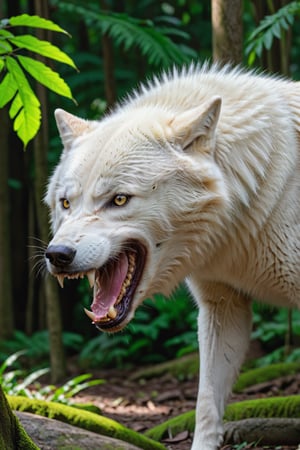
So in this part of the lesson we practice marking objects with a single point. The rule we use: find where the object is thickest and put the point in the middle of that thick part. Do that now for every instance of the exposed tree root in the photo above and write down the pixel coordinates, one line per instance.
(263, 431)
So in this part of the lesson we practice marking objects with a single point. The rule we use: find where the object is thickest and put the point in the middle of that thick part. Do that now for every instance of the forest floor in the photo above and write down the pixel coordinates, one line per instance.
(144, 403)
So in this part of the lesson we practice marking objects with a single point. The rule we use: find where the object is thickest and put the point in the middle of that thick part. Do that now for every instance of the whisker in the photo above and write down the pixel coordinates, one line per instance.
(37, 248)
(36, 256)
(39, 268)
(35, 238)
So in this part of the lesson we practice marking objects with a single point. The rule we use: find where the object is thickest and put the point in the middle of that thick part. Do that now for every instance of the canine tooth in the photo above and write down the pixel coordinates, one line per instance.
(90, 314)
(91, 277)
(60, 279)
(112, 312)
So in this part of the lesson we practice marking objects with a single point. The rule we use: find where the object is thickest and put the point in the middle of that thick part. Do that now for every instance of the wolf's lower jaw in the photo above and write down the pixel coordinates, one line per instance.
(114, 286)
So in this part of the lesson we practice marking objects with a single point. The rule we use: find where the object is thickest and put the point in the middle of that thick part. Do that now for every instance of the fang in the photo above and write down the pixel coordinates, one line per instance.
(90, 314)
(91, 277)
(60, 279)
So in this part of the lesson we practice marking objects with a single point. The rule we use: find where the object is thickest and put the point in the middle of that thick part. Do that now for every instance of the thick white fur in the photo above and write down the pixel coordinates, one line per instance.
(211, 159)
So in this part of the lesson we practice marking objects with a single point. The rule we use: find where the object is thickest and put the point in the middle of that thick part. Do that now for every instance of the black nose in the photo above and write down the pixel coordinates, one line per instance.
(60, 255)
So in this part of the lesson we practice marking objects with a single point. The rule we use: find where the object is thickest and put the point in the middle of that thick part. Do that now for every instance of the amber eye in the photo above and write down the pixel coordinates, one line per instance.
(65, 203)
(120, 199)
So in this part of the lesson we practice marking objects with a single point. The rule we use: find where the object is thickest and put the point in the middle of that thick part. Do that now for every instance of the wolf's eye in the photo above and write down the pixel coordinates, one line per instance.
(120, 199)
(65, 203)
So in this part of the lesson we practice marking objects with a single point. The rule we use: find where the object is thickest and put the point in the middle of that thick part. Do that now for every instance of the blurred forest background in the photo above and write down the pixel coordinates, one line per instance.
(115, 45)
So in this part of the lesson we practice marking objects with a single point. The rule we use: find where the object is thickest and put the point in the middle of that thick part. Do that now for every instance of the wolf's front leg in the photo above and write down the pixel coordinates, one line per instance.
(224, 327)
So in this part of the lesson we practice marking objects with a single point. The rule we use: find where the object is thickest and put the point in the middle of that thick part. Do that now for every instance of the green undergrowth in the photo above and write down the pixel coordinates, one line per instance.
(182, 368)
(187, 367)
(262, 408)
(83, 419)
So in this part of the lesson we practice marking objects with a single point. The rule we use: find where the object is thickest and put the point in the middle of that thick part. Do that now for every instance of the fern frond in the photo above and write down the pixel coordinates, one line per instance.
(153, 42)
(270, 27)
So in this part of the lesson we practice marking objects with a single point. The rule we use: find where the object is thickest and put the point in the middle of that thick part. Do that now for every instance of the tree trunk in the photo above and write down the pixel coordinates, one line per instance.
(12, 434)
(6, 298)
(53, 312)
(227, 31)
(49, 286)
(108, 65)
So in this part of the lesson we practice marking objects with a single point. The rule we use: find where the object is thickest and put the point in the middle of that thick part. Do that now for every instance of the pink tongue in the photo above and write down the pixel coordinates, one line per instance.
(109, 290)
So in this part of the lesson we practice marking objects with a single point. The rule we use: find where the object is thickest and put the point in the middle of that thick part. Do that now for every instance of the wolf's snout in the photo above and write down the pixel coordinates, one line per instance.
(60, 255)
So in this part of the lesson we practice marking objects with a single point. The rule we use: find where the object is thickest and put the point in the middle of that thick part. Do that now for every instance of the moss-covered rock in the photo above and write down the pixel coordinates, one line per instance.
(264, 374)
(83, 419)
(54, 434)
(12, 434)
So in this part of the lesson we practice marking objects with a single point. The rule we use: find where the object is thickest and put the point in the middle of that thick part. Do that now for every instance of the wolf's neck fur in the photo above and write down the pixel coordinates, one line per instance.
(250, 132)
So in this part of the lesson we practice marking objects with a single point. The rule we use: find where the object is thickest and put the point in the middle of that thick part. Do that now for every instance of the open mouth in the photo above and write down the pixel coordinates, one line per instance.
(114, 286)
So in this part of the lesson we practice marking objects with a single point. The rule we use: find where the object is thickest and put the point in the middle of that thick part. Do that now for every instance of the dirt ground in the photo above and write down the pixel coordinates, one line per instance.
(143, 404)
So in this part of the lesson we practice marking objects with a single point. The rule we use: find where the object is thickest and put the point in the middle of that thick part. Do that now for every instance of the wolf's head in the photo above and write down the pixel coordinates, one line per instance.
(132, 202)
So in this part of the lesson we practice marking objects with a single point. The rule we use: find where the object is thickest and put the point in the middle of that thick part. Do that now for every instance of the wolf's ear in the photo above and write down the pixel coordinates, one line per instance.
(70, 126)
(197, 122)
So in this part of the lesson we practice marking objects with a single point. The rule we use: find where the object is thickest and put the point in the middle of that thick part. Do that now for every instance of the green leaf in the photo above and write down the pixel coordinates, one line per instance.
(8, 89)
(268, 39)
(46, 76)
(283, 23)
(43, 48)
(259, 46)
(290, 17)
(277, 30)
(34, 376)
(5, 34)
(251, 58)
(35, 22)
(27, 123)
(28, 120)
(5, 47)
(15, 107)
(10, 360)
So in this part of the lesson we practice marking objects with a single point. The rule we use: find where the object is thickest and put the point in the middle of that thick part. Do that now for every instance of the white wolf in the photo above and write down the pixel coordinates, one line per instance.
(196, 176)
